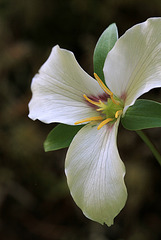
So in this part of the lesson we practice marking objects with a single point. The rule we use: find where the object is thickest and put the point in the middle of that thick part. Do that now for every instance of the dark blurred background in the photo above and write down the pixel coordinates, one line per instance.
(35, 203)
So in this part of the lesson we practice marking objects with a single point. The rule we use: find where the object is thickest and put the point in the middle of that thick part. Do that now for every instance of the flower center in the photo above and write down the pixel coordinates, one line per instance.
(109, 110)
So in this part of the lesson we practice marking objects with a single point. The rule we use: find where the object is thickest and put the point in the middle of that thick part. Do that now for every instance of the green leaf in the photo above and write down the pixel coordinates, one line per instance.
(60, 137)
(143, 114)
(104, 45)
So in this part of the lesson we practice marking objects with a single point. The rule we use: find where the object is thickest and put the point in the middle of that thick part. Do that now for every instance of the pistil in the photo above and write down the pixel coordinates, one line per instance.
(109, 111)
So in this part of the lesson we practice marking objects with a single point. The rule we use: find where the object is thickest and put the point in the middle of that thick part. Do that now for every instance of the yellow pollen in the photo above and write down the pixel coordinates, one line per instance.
(100, 109)
(91, 101)
(118, 113)
(96, 118)
(103, 86)
(104, 123)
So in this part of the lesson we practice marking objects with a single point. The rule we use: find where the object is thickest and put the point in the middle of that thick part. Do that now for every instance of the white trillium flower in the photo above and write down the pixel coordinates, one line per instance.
(64, 93)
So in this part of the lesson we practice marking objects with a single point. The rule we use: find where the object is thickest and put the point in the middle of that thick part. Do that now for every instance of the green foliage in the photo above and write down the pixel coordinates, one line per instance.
(104, 45)
(60, 137)
(143, 114)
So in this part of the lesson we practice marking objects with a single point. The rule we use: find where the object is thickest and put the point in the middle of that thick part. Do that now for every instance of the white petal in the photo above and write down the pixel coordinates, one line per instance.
(133, 66)
(95, 173)
(58, 90)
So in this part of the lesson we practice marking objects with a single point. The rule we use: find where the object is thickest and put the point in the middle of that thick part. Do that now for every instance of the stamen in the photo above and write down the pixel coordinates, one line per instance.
(91, 101)
(103, 86)
(104, 123)
(96, 118)
(100, 109)
(118, 113)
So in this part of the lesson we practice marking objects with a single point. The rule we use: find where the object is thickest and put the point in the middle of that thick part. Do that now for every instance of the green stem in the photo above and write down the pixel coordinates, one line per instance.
(150, 145)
